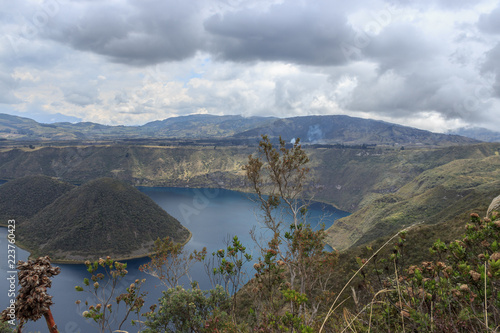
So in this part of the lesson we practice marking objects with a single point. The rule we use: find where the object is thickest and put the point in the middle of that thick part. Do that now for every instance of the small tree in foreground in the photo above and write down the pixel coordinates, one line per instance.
(169, 263)
(106, 274)
(32, 301)
(294, 267)
(191, 310)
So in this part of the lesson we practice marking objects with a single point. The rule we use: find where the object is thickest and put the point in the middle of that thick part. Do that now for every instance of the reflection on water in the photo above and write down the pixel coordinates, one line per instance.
(212, 215)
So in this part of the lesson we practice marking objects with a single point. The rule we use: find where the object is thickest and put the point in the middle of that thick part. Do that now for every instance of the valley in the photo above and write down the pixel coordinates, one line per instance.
(384, 186)
(83, 198)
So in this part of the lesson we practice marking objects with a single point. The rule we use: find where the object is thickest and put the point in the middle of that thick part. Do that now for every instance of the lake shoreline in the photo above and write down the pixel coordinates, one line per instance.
(78, 262)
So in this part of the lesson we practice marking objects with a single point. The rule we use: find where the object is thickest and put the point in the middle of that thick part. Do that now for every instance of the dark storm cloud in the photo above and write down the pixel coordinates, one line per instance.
(492, 66)
(399, 47)
(490, 23)
(138, 33)
(300, 32)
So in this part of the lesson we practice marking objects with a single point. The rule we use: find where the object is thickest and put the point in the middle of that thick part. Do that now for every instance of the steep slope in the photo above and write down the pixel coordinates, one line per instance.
(436, 195)
(348, 178)
(351, 130)
(22, 198)
(102, 217)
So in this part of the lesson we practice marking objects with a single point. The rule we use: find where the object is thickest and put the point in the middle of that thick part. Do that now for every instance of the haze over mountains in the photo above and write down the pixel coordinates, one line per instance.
(477, 133)
(335, 129)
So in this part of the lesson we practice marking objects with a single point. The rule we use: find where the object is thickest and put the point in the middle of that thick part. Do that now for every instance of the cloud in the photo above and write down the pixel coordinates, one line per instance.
(8, 85)
(400, 47)
(133, 32)
(492, 65)
(432, 63)
(490, 23)
(292, 31)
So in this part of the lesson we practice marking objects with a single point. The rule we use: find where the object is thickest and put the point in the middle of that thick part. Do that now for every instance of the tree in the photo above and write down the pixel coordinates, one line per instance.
(294, 262)
(169, 263)
(106, 274)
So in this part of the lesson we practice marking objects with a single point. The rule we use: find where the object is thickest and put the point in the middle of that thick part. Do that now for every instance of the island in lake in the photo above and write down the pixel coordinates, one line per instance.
(104, 217)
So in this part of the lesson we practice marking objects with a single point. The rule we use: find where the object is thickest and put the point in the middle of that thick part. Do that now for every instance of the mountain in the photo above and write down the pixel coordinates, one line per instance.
(380, 185)
(22, 198)
(194, 126)
(345, 177)
(350, 130)
(311, 129)
(203, 126)
(435, 196)
(100, 218)
(478, 133)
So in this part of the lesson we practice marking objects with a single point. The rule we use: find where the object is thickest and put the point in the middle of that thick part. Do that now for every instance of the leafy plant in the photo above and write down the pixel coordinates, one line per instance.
(169, 263)
(191, 310)
(457, 290)
(106, 274)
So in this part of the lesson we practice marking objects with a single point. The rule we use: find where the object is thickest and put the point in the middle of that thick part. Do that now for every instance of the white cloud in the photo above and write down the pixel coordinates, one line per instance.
(430, 64)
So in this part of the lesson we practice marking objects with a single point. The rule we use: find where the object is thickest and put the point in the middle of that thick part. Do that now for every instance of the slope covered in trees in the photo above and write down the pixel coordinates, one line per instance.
(22, 198)
(102, 217)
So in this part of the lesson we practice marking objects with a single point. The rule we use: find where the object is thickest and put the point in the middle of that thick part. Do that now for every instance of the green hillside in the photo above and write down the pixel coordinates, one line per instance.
(347, 178)
(436, 195)
(100, 218)
(377, 185)
(22, 198)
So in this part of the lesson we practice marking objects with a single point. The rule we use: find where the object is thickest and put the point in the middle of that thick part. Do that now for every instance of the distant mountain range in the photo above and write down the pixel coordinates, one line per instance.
(335, 129)
(477, 133)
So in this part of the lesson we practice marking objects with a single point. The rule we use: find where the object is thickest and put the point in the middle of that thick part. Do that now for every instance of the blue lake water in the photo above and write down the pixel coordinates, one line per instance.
(212, 215)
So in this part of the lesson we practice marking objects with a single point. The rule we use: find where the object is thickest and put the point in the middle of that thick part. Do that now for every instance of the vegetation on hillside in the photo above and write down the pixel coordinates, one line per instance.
(436, 195)
(22, 198)
(101, 217)
(296, 287)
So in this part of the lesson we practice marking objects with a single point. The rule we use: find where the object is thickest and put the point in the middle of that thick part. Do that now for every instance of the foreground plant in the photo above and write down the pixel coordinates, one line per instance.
(169, 263)
(293, 261)
(191, 310)
(32, 301)
(456, 290)
(106, 275)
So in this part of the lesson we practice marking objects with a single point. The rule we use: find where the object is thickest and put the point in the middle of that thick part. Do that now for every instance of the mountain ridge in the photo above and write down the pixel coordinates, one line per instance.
(327, 129)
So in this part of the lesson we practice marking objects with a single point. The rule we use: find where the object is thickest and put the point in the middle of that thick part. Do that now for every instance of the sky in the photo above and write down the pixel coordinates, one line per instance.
(430, 64)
